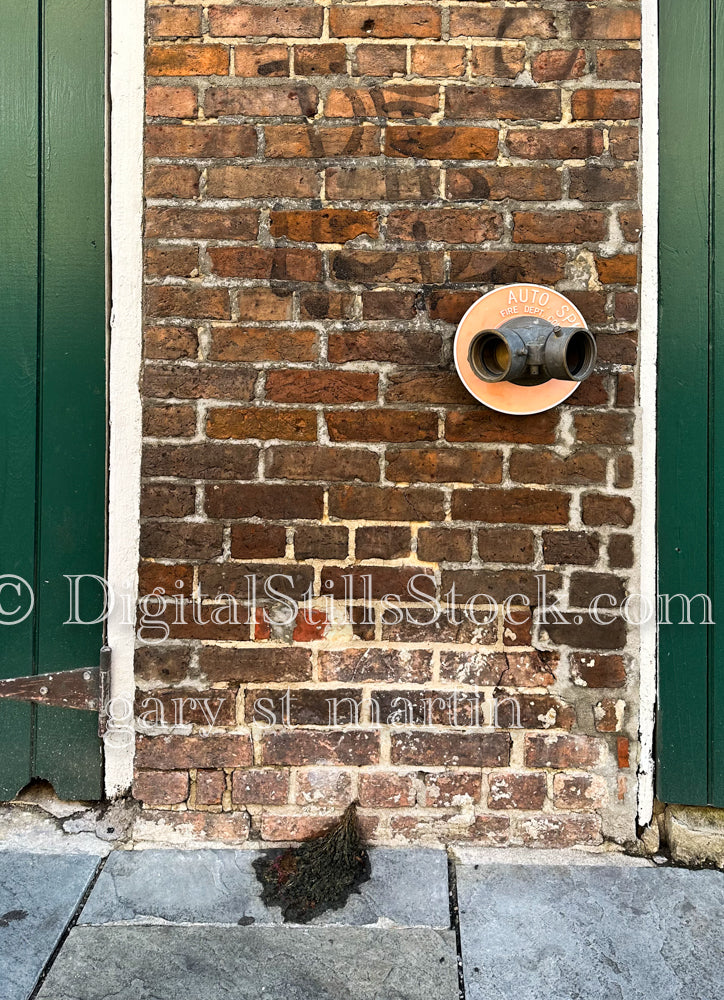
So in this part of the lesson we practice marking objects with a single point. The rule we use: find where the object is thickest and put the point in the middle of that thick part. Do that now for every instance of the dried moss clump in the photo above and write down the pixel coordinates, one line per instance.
(318, 875)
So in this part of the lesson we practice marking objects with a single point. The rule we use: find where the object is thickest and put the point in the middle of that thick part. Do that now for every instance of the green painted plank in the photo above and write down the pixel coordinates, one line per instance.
(716, 429)
(71, 521)
(683, 418)
(19, 312)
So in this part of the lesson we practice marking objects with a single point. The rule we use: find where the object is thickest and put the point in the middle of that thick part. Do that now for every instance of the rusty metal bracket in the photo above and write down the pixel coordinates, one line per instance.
(86, 689)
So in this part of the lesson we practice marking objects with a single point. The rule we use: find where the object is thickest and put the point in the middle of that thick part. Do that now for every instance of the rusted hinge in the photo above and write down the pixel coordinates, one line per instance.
(87, 689)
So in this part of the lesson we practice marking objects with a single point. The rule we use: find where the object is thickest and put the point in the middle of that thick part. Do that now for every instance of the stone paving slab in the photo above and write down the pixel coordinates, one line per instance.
(39, 894)
(408, 888)
(246, 963)
(591, 933)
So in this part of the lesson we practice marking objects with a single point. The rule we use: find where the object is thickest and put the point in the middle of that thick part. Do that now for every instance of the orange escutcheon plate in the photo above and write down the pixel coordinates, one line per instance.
(488, 313)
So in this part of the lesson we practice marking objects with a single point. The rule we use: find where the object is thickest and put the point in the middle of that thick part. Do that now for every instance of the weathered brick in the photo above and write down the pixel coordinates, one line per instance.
(169, 421)
(320, 60)
(201, 140)
(579, 791)
(619, 270)
(515, 505)
(482, 22)
(305, 386)
(259, 344)
(261, 60)
(382, 543)
(372, 664)
(261, 422)
(593, 105)
(498, 183)
(172, 102)
(244, 20)
(502, 267)
(258, 541)
(320, 542)
(375, 184)
(456, 749)
(258, 665)
(606, 23)
(170, 753)
(555, 143)
(187, 60)
(504, 102)
(353, 746)
(331, 225)
(381, 60)
(386, 101)
(598, 670)
(202, 223)
(174, 22)
(498, 61)
(161, 788)
(559, 227)
(260, 786)
(580, 468)
(621, 551)
(563, 751)
(510, 790)
(506, 545)
(275, 502)
(266, 181)
(444, 545)
(577, 547)
(597, 510)
(443, 60)
(294, 101)
(558, 64)
(619, 64)
(435, 142)
(560, 830)
(446, 225)
(201, 461)
(386, 790)
(315, 462)
(385, 21)
(316, 141)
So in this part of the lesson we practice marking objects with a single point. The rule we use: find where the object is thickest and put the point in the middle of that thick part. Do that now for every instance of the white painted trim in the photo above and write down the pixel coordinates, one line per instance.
(126, 264)
(647, 387)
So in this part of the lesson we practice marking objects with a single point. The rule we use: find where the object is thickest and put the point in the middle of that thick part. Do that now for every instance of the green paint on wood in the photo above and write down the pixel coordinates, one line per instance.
(690, 409)
(52, 382)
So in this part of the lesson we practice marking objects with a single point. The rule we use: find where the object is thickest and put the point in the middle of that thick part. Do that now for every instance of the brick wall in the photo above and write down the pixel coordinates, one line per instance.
(329, 187)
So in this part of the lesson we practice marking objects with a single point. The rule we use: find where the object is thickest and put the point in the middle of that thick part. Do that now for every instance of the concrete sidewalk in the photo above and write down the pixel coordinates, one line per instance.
(171, 925)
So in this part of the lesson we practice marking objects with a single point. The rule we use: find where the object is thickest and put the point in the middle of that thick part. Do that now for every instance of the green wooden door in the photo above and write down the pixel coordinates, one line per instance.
(690, 721)
(52, 373)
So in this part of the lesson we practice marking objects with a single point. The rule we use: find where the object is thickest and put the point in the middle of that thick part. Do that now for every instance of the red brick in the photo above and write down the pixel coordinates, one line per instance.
(516, 791)
(498, 61)
(254, 20)
(619, 64)
(360, 21)
(172, 102)
(274, 502)
(555, 143)
(187, 60)
(189, 303)
(294, 101)
(262, 305)
(386, 790)
(446, 789)
(260, 786)
(619, 270)
(201, 140)
(493, 427)
(210, 787)
(615, 24)
(597, 509)
(261, 60)
(559, 64)
(498, 183)
(598, 670)
(559, 227)
(503, 102)
(174, 22)
(258, 541)
(197, 382)
(506, 545)
(267, 180)
(382, 543)
(381, 503)
(455, 749)
(257, 665)
(321, 141)
(482, 22)
(257, 344)
(443, 60)
(320, 60)
(167, 540)
(321, 542)
(446, 225)
(607, 105)
(401, 347)
(444, 545)
(564, 547)
(563, 751)
(165, 181)
(624, 142)
(579, 791)
(603, 184)
(502, 267)
(161, 788)
(261, 422)
(388, 304)
(331, 225)
(426, 387)
(438, 142)
(169, 753)
(305, 386)
(580, 468)
(514, 505)
(323, 786)
(621, 551)
(319, 463)
(381, 60)
(427, 465)
(353, 746)
(386, 101)
(169, 421)
(560, 830)
(202, 223)
(371, 664)
(201, 461)
(374, 184)
(167, 499)
(381, 425)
